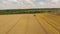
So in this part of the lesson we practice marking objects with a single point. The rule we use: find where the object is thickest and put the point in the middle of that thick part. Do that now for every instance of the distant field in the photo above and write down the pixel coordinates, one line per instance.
(29, 11)
(22, 12)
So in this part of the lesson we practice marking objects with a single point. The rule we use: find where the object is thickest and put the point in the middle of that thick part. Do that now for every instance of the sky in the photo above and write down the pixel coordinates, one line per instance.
(26, 4)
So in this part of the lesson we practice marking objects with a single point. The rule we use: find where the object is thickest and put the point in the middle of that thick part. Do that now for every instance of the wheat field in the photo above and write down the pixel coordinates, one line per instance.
(30, 24)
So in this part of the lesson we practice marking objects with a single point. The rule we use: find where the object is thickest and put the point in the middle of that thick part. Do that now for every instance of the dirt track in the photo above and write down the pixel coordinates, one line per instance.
(30, 24)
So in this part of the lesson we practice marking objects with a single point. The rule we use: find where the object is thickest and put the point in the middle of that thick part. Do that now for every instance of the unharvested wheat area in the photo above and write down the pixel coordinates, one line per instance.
(30, 21)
